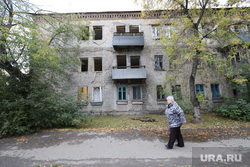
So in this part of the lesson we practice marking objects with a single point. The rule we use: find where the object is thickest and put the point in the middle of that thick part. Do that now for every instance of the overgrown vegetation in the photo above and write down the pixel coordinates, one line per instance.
(240, 110)
(36, 61)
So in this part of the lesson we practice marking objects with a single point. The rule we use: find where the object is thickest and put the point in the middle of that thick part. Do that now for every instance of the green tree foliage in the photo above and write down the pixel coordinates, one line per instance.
(206, 37)
(36, 58)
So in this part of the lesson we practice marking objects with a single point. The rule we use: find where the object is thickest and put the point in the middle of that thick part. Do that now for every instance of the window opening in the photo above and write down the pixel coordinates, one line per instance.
(98, 64)
(158, 62)
(98, 33)
(135, 61)
(137, 92)
(122, 93)
(121, 62)
(84, 66)
(120, 29)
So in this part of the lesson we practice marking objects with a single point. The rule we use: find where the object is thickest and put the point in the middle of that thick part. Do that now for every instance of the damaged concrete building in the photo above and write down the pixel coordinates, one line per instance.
(123, 67)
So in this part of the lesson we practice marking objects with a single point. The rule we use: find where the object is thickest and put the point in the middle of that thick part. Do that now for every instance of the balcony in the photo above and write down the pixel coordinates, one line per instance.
(128, 40)
(129, 72)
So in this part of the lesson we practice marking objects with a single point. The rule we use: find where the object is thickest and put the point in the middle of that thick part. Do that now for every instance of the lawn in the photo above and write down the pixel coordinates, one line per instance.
(133, 122)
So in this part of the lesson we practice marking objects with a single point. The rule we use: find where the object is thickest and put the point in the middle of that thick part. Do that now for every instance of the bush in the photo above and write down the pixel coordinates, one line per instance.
(240, 110)
(41, 109)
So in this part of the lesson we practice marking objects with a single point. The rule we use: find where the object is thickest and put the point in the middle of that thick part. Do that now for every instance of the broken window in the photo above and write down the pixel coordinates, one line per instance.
(155, 32)
(137, 92)
(168, 31)
(120, 29)
(158, 62)
(134, 29)
(121, 62)
(97, 94)
(160, 92)
(135, 61)
(176, 91)
(84, 66)
(82, 93)
(98, 64)
(236, 58)
(98, 32)
(122, 93)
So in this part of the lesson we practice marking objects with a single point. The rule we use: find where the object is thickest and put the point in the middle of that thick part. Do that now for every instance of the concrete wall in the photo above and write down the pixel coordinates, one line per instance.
(104, 49)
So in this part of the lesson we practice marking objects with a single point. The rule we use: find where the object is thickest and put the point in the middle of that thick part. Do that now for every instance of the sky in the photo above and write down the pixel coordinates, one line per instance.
(69, 6)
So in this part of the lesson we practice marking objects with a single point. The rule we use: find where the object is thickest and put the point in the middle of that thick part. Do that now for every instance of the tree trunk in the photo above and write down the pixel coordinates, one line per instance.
(193, 99)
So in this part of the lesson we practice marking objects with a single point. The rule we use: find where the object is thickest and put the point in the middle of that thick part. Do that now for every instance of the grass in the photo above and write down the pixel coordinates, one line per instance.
(127, 122)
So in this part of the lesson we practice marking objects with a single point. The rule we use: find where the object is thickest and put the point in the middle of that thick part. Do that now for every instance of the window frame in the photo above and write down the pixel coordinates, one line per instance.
(100, 94)
(139, 87)
(122, 93)
(213, 90)
(159, 62)
(160, 92)
(199, 89)
(82, 93)
(155, 32)
(177, 92)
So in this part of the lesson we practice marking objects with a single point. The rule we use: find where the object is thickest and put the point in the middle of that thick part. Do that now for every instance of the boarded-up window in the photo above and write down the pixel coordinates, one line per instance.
(84, 66)
(97, 94)
(98, 32)
(98, 64)
(82, 93)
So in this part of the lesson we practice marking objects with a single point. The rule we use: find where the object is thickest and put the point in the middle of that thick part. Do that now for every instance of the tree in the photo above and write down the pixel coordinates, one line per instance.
(36, 58)
(203, 33)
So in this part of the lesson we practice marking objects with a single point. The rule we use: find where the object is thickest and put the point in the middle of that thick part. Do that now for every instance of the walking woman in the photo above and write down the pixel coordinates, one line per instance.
(175, 117)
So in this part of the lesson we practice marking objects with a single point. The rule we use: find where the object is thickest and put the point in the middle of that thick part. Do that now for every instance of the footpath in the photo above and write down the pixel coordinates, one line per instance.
(80, 148)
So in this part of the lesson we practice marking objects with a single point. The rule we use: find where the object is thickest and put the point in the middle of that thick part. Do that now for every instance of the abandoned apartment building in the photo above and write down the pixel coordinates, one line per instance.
(124, 67)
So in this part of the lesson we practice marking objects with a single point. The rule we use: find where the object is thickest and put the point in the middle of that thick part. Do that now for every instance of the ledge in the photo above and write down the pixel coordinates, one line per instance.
(221, 100)
(161, 102)
(82, 103)
(100, 103)
(122, 102)
(137, 102)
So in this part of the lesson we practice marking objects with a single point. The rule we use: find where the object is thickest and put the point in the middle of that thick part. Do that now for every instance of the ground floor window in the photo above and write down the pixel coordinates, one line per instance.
(160, 93)
(97, 94)
(215, 91)
(176, 91)
(137, 92)
(82, 93)
(200, 90)
(122, 93)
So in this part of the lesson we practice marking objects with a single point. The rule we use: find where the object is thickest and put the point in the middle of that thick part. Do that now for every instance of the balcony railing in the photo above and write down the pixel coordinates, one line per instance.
(129, 72)
(128, 39)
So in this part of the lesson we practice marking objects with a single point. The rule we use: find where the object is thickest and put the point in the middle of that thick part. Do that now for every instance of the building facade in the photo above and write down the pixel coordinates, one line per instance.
(123, 67)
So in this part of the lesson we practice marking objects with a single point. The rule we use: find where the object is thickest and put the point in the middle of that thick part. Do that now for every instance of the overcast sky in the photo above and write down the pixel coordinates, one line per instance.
(66, 6)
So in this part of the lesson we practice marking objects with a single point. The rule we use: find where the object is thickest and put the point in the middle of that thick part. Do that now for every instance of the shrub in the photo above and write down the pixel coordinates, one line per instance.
(240, 110)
